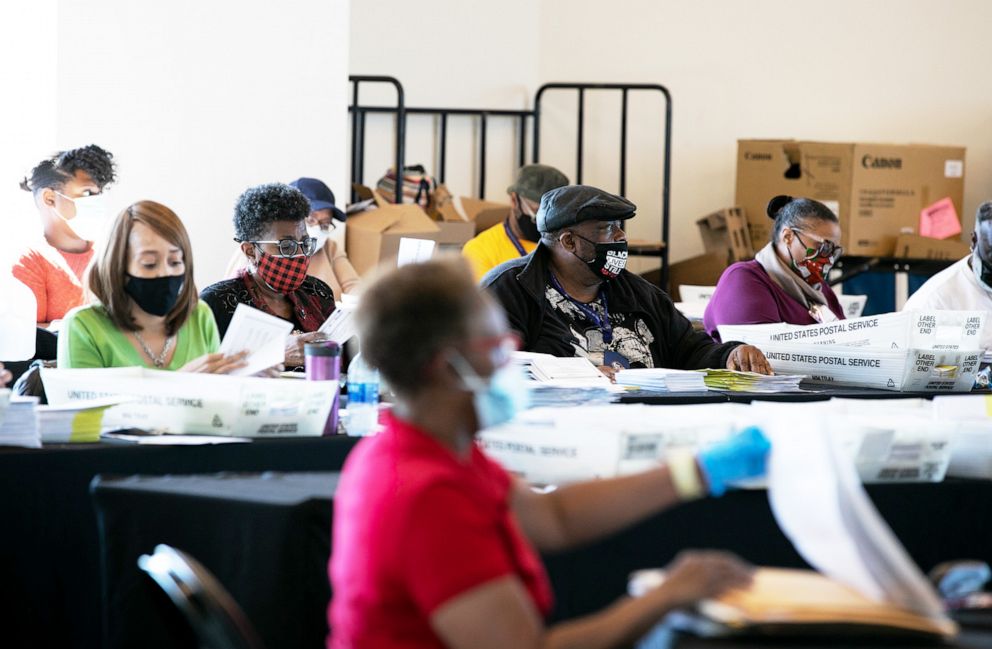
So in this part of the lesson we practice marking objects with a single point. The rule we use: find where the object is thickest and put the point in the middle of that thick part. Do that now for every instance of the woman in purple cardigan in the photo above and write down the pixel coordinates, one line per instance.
(786, 280)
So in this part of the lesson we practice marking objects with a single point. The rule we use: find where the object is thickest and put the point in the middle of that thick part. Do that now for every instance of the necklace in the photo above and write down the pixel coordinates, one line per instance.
(159, 360)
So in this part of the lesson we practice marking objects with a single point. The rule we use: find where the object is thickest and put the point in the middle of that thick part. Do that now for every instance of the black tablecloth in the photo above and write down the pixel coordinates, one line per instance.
(49, 572)
(237, 539)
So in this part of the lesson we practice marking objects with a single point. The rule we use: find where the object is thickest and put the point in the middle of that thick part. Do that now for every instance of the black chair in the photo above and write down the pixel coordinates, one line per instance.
(217, 620)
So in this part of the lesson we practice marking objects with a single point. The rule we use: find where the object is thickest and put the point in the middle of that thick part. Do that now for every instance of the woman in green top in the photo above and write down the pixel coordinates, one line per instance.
(148, 313)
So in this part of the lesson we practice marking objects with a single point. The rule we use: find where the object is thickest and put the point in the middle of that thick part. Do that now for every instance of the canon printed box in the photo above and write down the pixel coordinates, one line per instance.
(877, 190)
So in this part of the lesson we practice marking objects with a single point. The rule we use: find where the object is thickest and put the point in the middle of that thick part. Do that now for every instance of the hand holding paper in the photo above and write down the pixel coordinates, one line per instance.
(261, 335)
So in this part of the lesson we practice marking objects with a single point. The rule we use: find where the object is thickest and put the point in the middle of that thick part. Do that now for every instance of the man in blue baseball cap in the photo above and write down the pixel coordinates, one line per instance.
(329, 263)
(572, 296)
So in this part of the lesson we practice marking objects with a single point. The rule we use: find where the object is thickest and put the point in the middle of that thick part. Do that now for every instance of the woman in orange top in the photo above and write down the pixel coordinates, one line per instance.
(67, 189)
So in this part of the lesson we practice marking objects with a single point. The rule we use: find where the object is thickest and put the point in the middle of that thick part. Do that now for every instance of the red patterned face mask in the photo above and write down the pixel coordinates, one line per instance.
(283, 274)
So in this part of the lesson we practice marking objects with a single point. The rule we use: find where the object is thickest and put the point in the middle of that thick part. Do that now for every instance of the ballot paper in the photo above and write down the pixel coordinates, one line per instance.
(413, 251)
(75, 422)
(853, 305)
(819, 503)
(694, 293)
(662, 379)
(340, 325)
(20, 422)
(572, 371)
(259, 332)
(736, 381)
(201, 404)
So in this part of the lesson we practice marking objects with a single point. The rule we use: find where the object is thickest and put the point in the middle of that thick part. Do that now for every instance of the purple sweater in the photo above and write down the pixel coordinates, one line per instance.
(746, 294)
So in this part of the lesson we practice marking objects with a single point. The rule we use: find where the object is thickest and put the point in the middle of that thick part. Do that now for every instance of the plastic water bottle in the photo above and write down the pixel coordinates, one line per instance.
(363, 398)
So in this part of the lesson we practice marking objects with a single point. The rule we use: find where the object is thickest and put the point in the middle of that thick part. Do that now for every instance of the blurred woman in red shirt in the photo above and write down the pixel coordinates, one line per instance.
(434, 544)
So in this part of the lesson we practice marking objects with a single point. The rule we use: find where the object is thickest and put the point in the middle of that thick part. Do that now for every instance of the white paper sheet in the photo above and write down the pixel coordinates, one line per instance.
(340, 325)
(412, 251)
(264, 334)
(819, 503)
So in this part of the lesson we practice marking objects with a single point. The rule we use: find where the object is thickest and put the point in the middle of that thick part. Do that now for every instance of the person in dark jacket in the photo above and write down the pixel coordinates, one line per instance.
(572, 296)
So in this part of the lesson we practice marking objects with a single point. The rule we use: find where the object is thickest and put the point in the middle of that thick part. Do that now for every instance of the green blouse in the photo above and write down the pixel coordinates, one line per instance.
(89, 339)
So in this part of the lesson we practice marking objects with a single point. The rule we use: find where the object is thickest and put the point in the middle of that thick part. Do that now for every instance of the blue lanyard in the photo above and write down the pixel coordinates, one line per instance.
(602, 323)
(513, 238)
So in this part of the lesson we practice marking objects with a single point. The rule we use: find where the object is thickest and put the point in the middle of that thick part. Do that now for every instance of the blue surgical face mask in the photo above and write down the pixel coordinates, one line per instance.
(498, 399)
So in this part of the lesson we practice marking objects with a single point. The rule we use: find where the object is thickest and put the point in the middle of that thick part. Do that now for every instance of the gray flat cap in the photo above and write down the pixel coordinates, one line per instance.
(534, 180)
(574, 204)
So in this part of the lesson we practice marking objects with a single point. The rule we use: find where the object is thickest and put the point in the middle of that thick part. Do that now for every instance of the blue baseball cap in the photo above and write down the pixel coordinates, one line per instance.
(320, 196)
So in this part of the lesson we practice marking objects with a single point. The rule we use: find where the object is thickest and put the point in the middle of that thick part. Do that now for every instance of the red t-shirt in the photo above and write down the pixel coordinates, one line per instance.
(415, 526)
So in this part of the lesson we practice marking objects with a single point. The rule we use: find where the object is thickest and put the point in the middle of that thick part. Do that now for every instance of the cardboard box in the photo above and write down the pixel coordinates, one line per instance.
(877, 190)
(726, 230)
(456, 228)
(913, 246)
(373, 236)
(702, 270)
(481, 213)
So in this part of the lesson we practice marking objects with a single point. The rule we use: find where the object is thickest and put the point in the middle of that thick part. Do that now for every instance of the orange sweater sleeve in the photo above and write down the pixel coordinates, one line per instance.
(30, 270)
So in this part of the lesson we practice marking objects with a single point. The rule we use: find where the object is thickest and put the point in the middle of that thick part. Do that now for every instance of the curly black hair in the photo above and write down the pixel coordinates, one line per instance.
(264, 204)
(53, 172)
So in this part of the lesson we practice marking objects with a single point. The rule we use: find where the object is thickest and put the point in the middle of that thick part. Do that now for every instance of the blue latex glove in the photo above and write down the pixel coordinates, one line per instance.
(745, 455)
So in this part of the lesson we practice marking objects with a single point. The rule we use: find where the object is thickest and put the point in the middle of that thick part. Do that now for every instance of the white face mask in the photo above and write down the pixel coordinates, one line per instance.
(319, 233)
(90, 222)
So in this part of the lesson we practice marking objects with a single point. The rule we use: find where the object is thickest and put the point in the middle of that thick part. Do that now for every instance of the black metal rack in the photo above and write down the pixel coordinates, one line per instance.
(401, 111)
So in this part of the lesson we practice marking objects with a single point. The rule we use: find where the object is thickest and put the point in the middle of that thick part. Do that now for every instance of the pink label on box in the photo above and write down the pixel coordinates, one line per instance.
(940, 220)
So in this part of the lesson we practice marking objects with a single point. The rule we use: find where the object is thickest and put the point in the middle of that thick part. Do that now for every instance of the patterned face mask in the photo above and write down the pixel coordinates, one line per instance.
(282, 274)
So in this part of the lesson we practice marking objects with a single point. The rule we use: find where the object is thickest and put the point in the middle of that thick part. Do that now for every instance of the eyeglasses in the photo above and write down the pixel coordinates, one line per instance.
(825, 248)
(289, 247)
(329, 224)
(500, 347)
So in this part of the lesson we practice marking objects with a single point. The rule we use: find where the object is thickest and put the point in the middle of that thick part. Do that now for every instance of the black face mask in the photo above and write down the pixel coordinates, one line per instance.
(610, 259)
(528, 228)
(154, 295)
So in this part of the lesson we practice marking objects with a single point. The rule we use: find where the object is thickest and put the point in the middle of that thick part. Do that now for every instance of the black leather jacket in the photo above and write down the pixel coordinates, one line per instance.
(519, 285)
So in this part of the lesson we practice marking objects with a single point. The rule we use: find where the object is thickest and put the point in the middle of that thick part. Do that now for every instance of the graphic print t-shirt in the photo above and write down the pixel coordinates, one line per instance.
(631, 337)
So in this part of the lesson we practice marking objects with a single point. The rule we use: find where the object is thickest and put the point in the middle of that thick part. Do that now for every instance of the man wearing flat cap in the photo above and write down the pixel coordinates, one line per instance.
(572, 296)
(517, 235)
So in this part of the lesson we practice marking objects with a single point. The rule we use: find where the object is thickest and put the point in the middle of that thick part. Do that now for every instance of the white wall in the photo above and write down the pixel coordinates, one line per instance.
(448, 53)
(906, 71)
(199, 100)
(28, 37)
(884, 70)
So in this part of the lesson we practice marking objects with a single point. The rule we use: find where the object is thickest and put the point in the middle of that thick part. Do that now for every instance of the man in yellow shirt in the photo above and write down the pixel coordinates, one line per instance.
(517, 235)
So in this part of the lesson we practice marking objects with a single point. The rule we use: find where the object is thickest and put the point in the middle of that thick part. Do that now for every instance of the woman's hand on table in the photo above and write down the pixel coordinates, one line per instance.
(699, 575)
